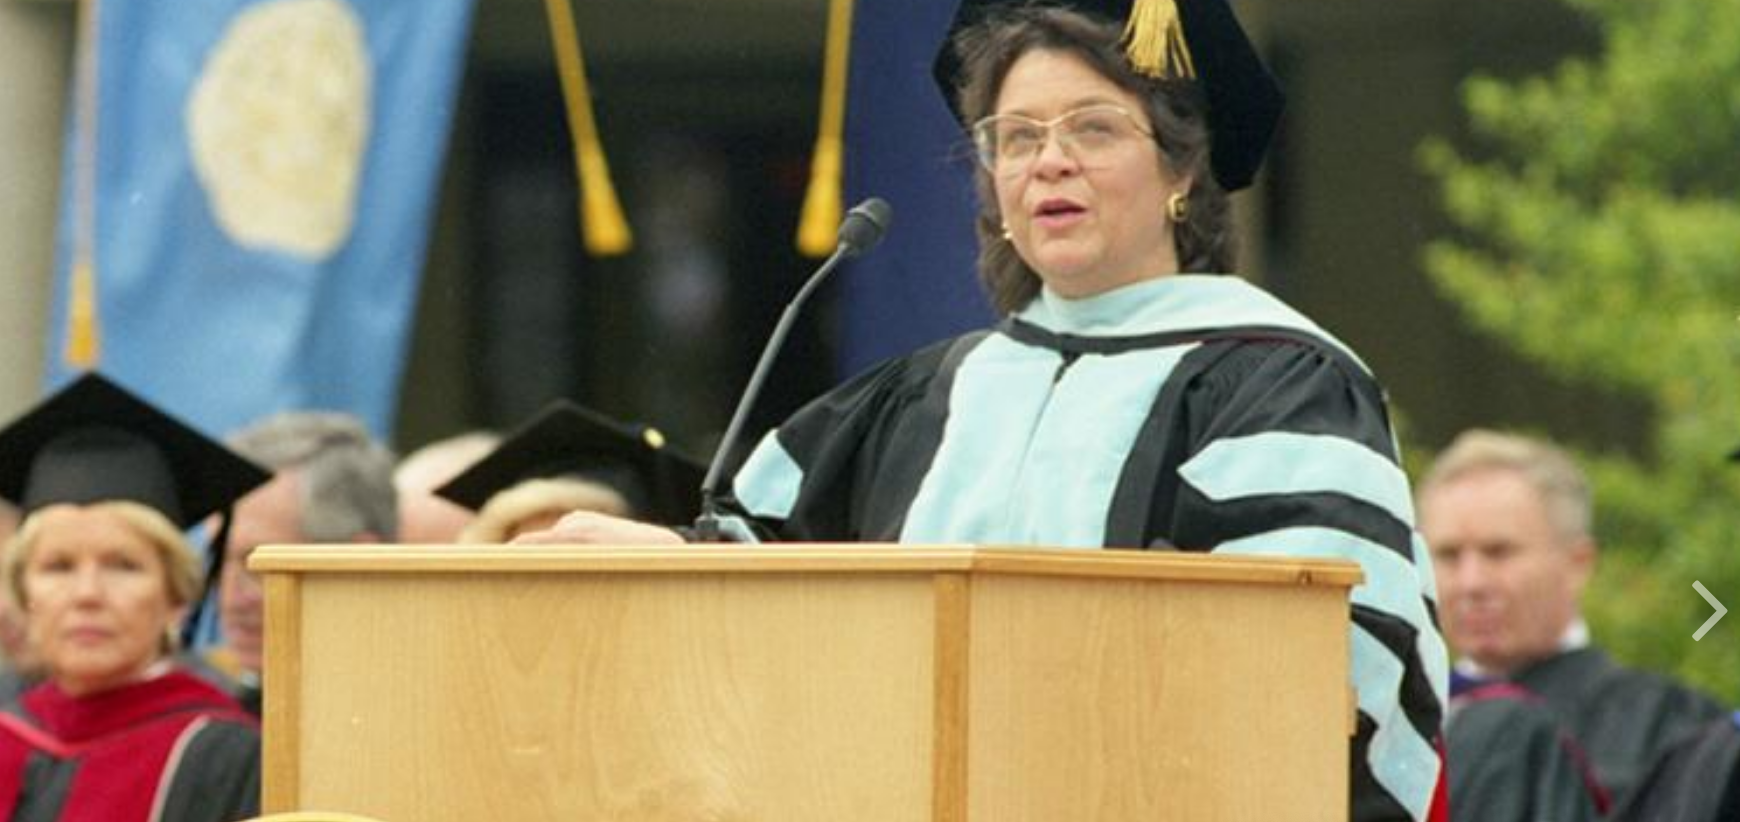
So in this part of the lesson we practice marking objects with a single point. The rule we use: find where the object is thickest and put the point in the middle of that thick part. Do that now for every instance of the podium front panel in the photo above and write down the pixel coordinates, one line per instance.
(804, 683)
(1115, 700)
(532, 698)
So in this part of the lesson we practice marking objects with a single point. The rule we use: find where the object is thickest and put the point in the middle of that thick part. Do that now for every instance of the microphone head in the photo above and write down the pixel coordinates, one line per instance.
(864, 226)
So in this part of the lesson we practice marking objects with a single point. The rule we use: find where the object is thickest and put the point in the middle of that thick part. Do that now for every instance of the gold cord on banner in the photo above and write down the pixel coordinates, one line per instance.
(822, 212)
(84, 341)
(602, 224)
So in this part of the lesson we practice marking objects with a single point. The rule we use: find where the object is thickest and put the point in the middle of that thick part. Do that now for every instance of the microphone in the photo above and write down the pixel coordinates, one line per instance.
(861, 230)
(863, 227)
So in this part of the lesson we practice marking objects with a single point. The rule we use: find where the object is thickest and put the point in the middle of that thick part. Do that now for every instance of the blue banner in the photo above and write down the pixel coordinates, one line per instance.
(264, 178)
(903, 145)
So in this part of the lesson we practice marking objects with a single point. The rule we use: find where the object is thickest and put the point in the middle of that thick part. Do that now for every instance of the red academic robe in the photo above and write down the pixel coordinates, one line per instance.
(169, 749)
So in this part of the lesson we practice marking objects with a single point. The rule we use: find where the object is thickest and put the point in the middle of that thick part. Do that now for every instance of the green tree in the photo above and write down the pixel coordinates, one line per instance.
(1599, 235)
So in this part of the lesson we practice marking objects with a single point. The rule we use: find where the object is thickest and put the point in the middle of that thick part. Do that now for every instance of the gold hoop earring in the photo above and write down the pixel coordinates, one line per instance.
(1178, 207)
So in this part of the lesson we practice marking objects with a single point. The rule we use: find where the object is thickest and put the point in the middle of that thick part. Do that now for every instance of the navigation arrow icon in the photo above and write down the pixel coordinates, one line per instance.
(1715, 617)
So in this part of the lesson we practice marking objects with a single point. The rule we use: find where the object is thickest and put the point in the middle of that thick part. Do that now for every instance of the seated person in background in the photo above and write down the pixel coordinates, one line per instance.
(117, 731)
(1510, 761)
(423, 516)
(331, 483)
(1132, 396)
(1508, 520)
(1697, 780)
(569, 458)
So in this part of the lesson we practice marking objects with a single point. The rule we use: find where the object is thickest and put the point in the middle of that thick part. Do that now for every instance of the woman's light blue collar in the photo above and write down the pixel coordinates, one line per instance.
(1167, 304)
(1141, 307)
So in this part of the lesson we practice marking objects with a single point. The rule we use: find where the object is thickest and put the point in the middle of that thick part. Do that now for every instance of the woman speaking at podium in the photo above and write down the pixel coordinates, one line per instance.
(1133, 395)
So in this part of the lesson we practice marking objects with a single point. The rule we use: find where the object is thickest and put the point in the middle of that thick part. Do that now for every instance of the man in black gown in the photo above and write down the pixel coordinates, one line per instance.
(1508, 521)
(332, 483)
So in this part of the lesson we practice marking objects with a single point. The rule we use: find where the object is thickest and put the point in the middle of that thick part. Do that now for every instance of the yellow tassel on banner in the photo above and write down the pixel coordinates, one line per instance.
(84, 341)
(1154, 40)
(819, 224)
(84, 337)
(602, 224)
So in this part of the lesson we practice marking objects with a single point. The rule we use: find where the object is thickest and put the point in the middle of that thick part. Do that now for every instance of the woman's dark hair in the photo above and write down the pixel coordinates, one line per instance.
(1174, 106)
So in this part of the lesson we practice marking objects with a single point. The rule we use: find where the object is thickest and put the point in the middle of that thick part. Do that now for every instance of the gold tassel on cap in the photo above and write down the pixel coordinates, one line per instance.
(84, 337)
(819, 226)
(1154, 40)
(602, 224)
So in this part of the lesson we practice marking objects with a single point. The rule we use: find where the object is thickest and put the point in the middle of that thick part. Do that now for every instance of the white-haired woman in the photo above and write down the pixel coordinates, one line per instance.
(116, 731)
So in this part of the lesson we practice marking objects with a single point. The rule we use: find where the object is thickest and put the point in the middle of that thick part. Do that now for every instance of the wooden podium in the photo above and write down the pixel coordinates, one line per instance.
(805, 683)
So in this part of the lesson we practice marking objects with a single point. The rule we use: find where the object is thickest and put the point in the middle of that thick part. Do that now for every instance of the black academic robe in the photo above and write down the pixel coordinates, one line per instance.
(219, 666)
(1510, 761)
(169, 749)
(1626, 719)
(1191, 412)
(1697, 781)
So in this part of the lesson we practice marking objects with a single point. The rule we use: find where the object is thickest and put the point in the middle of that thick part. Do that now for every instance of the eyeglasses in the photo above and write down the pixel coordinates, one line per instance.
(1008, 143)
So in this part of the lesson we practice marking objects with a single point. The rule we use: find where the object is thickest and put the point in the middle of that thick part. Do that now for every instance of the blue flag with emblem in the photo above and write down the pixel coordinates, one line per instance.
(247, 202)
(902, 144)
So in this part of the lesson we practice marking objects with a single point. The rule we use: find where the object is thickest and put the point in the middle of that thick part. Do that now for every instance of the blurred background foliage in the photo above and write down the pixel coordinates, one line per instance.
(1597, 215)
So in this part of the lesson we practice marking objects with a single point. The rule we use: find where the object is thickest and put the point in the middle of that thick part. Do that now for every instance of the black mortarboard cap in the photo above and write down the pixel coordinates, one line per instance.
(1244, 101)
(659, 482)
(94, 441)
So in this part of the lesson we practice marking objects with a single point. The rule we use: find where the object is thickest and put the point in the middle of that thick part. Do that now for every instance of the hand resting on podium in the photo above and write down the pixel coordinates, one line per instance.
(593, 528)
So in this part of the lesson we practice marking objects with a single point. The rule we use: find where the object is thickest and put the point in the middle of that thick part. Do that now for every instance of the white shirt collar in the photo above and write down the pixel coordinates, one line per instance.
(1575, 638)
